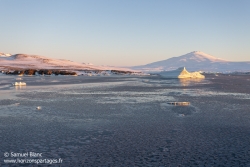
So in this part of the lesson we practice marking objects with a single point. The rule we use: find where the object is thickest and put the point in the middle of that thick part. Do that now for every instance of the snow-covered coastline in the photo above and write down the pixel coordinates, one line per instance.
(32, 72)
(24, 61)
(22, 64)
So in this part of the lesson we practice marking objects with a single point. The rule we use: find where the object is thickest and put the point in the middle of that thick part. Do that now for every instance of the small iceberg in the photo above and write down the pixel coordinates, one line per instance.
(179, 103)
(19, 83)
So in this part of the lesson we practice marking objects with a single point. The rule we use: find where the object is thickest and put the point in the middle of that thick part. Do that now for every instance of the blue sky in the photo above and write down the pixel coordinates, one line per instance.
(125, 32)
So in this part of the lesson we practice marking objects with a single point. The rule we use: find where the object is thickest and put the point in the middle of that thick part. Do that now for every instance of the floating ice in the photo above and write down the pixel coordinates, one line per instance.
(181, 73)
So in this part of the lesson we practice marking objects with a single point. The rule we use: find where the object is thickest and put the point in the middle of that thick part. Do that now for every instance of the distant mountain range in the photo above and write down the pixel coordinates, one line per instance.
(195, 61)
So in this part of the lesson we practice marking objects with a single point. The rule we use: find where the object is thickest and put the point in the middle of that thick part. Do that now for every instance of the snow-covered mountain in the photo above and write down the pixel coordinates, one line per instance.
(196, 61)
(24, 61)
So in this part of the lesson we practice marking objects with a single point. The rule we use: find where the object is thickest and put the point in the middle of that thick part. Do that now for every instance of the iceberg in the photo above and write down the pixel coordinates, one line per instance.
(180, 73)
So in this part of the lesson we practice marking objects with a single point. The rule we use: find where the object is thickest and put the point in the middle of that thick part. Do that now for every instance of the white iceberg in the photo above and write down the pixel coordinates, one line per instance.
(181, 73)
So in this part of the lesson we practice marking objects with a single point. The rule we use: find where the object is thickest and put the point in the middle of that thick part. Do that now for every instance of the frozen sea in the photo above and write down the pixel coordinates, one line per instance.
(126, 121)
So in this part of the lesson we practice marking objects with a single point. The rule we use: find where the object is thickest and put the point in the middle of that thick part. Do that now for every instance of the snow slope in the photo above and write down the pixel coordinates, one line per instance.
(23, 61)
(196, 61)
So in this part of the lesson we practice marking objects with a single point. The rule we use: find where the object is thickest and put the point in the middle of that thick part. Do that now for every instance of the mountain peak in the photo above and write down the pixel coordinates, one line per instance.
(201, 56)
(197, 52)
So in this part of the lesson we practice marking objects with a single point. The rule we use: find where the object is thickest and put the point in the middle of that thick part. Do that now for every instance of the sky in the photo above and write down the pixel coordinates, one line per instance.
(125, 32)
